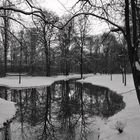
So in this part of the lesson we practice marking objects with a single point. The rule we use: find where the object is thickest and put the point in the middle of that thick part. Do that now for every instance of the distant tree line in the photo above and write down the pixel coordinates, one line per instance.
(56, 45)
(63, 53)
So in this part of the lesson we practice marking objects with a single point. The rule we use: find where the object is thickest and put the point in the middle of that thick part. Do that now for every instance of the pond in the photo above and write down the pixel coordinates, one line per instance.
(63, 111)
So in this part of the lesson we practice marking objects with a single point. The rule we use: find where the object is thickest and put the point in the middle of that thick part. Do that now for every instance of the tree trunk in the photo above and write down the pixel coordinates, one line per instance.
(132, 45)
(47, 63)
(33, 50)
(5, 42)
(46, 51)
(66, 61)
(81, 63)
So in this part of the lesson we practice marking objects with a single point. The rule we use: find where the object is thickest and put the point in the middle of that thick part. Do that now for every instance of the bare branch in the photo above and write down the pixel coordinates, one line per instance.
(37, 13)
(105, 37)
(15, 21)
(12, 35)
(20, 11)
(97, 16)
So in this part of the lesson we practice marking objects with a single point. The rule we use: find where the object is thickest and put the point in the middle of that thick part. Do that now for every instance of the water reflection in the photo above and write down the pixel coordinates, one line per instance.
(63, 111)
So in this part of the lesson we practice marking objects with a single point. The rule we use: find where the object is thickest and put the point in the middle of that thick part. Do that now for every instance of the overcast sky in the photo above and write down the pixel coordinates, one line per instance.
(58, 6)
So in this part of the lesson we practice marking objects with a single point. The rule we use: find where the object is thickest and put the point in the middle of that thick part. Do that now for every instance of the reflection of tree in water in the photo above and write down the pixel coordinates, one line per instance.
(47, 128)
(34, 113)
(83, 124)
(101, 101)
(62, 111)
(3, 93)
(27, 103)
(72, 113)
(69, 106)
(26, 113)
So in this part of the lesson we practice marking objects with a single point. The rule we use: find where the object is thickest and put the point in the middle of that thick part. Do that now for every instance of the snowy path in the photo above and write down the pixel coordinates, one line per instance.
(130, 116)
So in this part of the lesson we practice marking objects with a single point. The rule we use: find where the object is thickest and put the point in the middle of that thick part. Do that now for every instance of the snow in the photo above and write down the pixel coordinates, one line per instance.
(129, 116)
(7, 108)
(7, 111)
(115, 85)
(30, 82)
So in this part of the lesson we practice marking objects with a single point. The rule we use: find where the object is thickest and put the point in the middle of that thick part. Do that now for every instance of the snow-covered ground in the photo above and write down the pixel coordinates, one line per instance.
(28, 81)
(7, 108)
(129, 116)
(7, 111)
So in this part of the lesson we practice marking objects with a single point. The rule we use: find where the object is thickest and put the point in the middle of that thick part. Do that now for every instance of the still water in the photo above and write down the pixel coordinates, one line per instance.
(63, 111)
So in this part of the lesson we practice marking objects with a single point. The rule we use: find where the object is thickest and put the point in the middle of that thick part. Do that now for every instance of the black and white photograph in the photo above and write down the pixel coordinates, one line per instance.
(69, 69)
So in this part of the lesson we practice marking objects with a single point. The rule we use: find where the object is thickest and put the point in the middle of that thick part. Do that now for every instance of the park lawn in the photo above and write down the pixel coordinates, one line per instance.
(129, 116)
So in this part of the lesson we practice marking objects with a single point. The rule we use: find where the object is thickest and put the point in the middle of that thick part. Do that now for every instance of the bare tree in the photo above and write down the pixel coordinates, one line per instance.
(65, 40)
(129, 10)
(5, 14)
(83, 30)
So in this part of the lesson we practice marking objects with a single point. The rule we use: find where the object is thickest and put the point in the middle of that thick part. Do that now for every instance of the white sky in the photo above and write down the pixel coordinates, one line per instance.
(57, 6)
(61, 7)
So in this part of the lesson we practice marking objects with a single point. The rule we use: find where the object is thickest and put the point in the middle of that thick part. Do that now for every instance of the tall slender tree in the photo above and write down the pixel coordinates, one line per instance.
(6, 14)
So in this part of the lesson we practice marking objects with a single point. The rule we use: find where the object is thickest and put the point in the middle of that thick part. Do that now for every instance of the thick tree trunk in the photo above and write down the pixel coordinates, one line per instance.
(132, 45)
